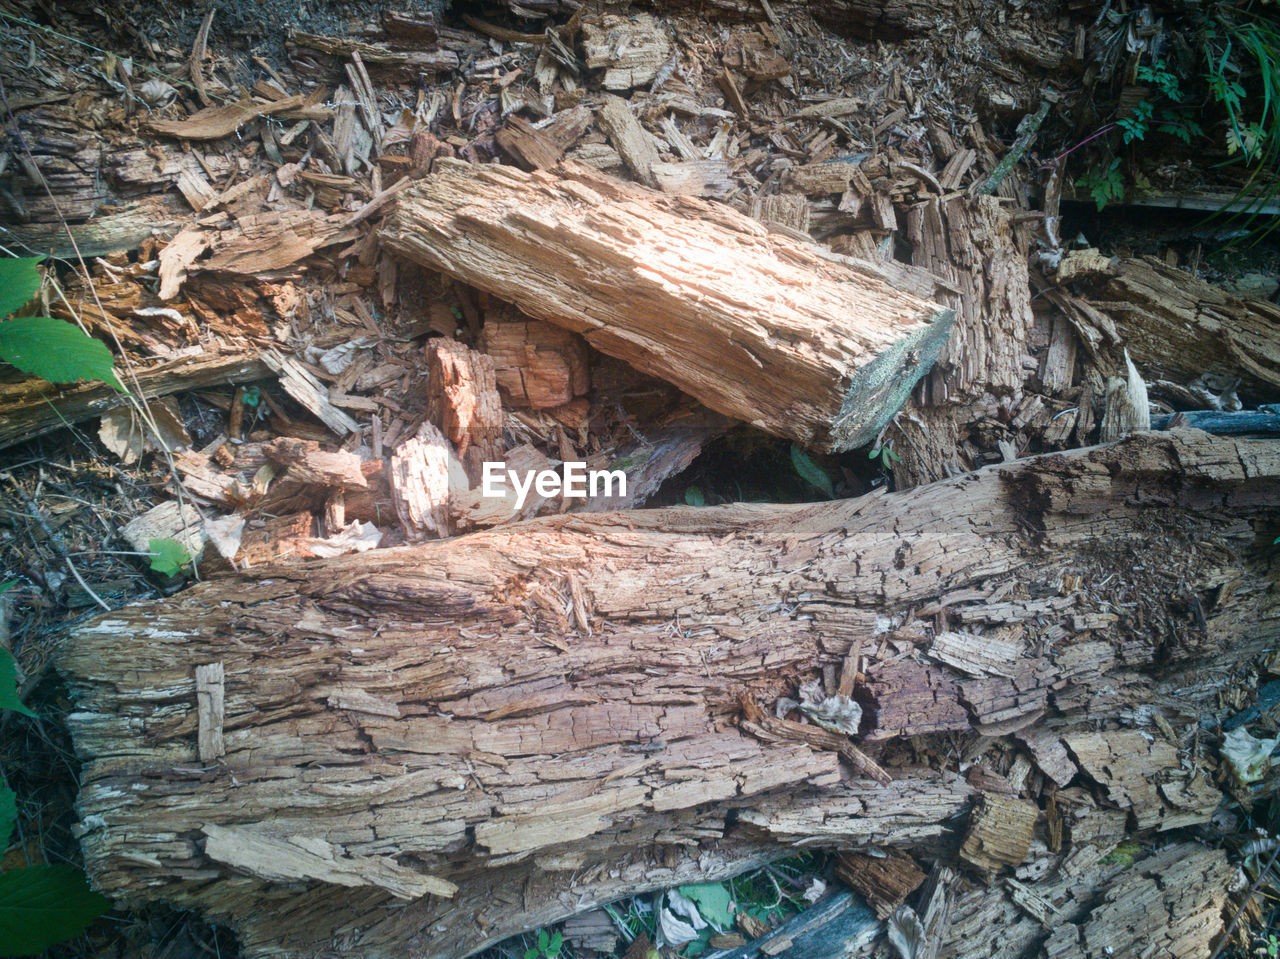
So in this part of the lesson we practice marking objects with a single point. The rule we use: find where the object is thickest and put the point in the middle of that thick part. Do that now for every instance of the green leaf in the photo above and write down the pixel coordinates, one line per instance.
(41, 905)
(811, 472)
(168, 556)
(714, 902)
(9, 684)
(19, 282)
(8, 815)
(693, 497)
(55, 350)
(6, 586)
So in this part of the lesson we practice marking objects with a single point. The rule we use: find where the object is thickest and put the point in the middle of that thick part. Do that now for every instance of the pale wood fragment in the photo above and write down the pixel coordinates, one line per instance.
(999, 833)
(303, 386)
(420, 483)
(631, 49)
(222, 120)
(291, 857)
(629, 138)
(535, 364)
(1137, 769)
(712, 178)
(210, 704)
(306, 462)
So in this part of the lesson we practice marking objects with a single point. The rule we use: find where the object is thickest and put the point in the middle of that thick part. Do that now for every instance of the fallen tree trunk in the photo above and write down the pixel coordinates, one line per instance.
(32, 407)
(1176, 326)
(560, 712)
(755, 325)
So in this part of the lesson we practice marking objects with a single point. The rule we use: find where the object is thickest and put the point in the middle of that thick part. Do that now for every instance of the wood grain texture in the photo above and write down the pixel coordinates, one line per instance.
(755, 325)
(548, 715)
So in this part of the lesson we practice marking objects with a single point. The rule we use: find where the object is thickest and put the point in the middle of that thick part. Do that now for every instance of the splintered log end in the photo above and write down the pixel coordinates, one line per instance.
(878, 390)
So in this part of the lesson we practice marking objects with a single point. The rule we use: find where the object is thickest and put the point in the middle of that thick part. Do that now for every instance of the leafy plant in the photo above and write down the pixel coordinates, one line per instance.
(1164, 79)
(548, 946)
(168, 556)
(1135, 124)
(1104, 183)
(693, 497)
(53, 350)
(811, 472)
(9, 685)
(885, 455)
(42, 904)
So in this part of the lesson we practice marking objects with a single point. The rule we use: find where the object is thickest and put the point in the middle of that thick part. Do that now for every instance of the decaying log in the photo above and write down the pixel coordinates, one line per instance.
(753, 324)
(1175, 325)
(548, 715)
(32, 407)
(969, 245)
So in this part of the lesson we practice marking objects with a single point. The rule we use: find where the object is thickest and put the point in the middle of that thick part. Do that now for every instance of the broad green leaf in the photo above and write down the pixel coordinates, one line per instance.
(811, 472)
(693, 497)
(168, 556)
(714, 902)
(55, 350)
(9, 684)
(8, 815)
(41, 905)
(19, 282)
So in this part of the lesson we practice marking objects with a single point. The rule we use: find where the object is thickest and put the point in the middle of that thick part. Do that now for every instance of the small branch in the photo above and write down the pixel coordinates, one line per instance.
(56, 541)
(1028, 128)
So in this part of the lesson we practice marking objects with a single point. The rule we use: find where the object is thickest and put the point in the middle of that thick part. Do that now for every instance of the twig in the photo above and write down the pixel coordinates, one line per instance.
(1028, 128)
(1226, 936)
(56, 541)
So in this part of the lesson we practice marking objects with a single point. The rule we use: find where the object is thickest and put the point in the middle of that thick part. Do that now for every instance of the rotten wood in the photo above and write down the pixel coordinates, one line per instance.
(683, 290)
(554, 707)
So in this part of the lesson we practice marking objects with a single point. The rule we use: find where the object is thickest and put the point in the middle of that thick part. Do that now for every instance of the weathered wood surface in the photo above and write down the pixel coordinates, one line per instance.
(32, 407)
(547, 715)
(1175, 325)
(970, 246)
(753, 324)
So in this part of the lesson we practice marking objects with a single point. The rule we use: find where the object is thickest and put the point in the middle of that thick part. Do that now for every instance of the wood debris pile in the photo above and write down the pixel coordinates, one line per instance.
(608, 236)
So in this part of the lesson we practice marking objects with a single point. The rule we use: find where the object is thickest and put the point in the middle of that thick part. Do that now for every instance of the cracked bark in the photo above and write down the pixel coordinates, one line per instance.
(458, 714)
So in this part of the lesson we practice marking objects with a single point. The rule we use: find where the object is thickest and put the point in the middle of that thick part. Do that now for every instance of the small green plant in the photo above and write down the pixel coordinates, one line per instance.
(53, 350)
(548, 946)
(811, 472)
(1104, 183)
(885, 455)
(1134, 126)
(43, 904)
(693, 497)
(168, 557)
(1125, 855)
(1273, 946)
